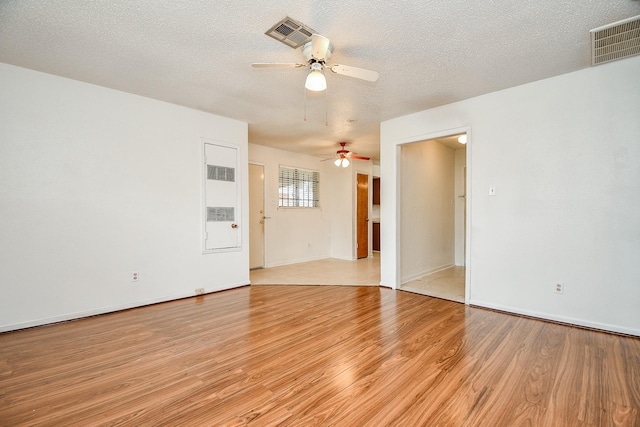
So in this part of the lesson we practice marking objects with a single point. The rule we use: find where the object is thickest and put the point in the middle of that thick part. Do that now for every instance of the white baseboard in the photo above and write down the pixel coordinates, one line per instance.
(294, 261)
(426, 272)
(560, 319)
(104, 310)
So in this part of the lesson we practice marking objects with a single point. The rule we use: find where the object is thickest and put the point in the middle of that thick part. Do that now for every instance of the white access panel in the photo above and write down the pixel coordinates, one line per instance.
(221, 198)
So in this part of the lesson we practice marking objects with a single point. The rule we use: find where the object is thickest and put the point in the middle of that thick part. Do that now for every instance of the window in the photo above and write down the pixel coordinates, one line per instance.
(298, 188)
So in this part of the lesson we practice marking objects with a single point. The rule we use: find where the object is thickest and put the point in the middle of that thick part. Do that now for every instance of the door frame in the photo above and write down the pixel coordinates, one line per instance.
(468, 199)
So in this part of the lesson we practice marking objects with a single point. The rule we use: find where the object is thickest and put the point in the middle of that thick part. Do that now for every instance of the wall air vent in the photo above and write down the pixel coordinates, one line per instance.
(221, 173)
(291, 32)
(217, 214)
(615, 41)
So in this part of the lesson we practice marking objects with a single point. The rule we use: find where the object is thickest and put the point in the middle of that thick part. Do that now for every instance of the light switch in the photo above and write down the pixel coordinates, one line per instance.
(492, 190)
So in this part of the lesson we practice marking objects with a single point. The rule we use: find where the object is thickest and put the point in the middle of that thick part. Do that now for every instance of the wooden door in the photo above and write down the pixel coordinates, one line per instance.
(362, 215)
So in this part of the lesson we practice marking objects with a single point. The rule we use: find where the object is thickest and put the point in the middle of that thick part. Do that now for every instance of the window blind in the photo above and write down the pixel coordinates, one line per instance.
(298, 188)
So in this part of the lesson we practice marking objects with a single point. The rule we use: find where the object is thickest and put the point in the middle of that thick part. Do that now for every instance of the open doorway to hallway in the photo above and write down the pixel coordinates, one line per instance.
(433, 217)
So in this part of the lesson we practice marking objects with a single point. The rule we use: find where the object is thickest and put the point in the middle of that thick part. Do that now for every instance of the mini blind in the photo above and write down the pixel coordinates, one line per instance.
(298, 188)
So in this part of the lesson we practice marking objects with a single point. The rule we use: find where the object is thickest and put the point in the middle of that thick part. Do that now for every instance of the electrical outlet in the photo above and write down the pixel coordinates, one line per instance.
(199, 291)
(134, 276)
(559, 289)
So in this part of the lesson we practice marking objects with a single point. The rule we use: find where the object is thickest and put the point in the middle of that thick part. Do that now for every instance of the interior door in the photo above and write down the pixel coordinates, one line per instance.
(362, 215)
(256, 216)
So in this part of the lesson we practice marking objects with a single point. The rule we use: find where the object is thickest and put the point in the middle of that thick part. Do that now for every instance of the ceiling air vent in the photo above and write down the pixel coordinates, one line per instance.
(615, 41)
(291, 32)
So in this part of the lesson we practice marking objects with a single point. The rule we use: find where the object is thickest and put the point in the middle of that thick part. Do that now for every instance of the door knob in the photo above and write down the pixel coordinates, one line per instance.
(234, 225)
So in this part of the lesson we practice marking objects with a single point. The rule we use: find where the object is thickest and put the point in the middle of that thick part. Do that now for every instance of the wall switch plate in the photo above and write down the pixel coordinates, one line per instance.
(492, 190)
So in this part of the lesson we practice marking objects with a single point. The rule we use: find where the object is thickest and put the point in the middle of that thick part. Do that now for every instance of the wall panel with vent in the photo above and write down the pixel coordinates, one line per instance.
(221, 198)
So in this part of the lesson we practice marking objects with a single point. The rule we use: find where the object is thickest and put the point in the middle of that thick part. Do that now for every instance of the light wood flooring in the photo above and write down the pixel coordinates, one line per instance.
(317, 356)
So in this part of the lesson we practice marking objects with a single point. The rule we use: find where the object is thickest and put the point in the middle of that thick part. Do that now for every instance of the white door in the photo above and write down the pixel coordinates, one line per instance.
(256, 216)
(222, 213)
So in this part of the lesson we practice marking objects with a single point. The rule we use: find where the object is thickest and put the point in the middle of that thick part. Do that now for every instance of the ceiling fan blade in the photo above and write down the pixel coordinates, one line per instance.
(360, 157)
(319, 46)
(276, 65)
(358, 73)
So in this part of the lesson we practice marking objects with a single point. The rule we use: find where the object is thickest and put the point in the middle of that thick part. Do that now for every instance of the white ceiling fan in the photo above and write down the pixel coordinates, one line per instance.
(317, 52)
(343, 156)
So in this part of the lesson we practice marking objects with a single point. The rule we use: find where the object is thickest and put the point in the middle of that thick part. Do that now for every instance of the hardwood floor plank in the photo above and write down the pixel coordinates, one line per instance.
(316, 355)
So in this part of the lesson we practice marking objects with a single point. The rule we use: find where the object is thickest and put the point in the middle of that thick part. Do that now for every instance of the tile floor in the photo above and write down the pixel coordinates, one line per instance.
(329, 271)
(446, 284)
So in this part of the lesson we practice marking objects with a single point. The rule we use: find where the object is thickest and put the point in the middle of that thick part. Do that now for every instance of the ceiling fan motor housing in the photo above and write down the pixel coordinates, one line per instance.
(307, 52)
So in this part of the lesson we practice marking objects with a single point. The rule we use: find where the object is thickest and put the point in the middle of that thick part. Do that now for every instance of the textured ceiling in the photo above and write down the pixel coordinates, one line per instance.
(198, 53)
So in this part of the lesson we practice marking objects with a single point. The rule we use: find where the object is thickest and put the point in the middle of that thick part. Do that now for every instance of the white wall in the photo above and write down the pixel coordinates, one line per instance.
(427, 210)
(563, 154)
(96, 184)
(343, 224)
(343, 184)
(293, 234)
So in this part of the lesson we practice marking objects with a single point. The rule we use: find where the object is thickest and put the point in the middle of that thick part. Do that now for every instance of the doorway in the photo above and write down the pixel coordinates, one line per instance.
(362, 216)
(433, 202)
(256, 216)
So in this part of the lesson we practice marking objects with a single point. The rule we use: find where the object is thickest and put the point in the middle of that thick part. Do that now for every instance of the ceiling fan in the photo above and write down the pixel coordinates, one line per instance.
(317, 52)
(343, 156)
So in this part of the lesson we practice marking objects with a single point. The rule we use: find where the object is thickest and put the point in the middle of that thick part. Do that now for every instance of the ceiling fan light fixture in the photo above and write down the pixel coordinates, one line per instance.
(316, 81)
(342, 161)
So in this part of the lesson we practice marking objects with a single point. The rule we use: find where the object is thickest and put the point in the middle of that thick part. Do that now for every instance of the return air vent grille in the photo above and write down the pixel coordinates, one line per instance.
(218, 214)
(615, 41)
(221, 173)
(291, 32)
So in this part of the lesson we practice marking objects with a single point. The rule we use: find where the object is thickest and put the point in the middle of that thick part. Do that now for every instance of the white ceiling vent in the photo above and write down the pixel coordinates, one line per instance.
(291, 32)
(615, 41)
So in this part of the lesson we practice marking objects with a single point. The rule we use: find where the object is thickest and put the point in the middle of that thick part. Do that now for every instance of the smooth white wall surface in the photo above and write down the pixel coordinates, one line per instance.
(563, 154)
(96, 184)
(343, 226)
(293, 234)
(427, 211)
